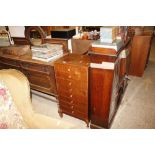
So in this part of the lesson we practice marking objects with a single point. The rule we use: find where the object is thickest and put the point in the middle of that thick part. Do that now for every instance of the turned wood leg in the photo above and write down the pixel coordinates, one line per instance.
(60, 113)
(87, 122)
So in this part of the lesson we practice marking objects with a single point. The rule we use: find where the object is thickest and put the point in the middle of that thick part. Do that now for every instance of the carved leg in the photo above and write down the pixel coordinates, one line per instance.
(87, 122)
(60, 113)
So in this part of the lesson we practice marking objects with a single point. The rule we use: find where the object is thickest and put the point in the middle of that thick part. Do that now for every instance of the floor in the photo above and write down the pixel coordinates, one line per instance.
(136, 111)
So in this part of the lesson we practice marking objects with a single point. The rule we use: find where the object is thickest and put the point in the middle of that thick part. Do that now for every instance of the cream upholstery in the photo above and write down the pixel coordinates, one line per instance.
(18, 86)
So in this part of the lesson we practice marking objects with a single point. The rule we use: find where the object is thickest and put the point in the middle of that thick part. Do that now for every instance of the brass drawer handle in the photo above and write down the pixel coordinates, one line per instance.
(69, 76)
(71, 101)
(70, 90)
(69, 69)
(72, 107)
(26, 65)
(71, 95)
(72, 112)
(45, 69)
(70, 83)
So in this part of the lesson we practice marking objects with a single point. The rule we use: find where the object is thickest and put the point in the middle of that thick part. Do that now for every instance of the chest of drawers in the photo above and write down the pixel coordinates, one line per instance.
(40, 74)
(71, 74)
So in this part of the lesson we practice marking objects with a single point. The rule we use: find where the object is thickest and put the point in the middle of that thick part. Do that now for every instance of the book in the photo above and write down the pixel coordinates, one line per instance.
(48, 59)
(47, 54)
(47, 47)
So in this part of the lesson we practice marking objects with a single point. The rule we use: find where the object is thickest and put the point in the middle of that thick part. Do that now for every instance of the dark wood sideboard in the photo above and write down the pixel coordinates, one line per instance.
(40, 74)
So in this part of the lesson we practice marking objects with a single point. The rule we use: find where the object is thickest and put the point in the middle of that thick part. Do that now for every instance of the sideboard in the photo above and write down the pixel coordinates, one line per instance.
(40, 74)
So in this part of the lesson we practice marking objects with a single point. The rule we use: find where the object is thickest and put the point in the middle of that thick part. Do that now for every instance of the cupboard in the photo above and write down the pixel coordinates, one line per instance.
(108, 80)
(140, 50)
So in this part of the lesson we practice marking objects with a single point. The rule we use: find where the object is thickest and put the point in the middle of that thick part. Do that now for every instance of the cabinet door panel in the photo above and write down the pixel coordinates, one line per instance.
(100, 95)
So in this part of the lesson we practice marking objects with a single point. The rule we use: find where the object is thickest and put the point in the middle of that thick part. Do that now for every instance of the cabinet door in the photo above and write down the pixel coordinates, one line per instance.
(101, 81)
(104, 93)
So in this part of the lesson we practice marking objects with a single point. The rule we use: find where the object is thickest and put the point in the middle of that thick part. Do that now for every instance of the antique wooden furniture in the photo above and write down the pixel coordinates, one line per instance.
(107, 82)
(28, 40)
(40, 74)
(140, 50)
(71, 73)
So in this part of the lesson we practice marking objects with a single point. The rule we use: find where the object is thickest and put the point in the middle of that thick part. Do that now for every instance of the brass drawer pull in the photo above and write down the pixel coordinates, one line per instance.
(70, 90)
(71, 95)
(69, 69)
(70, 83)
(72, 112)
(26, 65)
(69, 76)
(71, 101)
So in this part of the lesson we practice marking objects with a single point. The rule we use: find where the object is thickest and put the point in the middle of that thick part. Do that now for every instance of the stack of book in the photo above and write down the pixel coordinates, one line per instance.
(47, 52)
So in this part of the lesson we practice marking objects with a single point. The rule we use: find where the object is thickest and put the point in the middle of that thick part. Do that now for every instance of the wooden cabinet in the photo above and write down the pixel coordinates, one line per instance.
(108, 70)
(139, 54)
(104, 89)
(71, 74)
(40, 74)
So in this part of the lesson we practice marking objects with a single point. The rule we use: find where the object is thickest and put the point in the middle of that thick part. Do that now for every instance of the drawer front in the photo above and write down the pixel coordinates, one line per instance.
(41, 82)
(68, 84)
(71, 72)
(63, 68)
(36, 78)
(7, 61)
(74, 106)
(74, 98)
(9, 66)
(72, 92)
(70, 101)
(74, 113)
(36, 67)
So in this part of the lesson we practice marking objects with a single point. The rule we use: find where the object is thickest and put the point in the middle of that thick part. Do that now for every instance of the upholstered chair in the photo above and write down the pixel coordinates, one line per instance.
(18, 86)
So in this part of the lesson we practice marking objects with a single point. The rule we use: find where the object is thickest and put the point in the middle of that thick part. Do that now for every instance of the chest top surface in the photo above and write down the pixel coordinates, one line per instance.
(74, 59)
